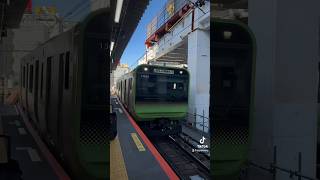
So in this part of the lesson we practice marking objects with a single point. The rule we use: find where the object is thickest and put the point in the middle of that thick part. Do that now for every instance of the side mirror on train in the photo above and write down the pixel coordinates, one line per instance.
(113, 125)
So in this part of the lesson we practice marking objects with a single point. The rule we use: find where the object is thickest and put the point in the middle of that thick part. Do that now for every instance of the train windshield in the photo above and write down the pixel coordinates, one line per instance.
(162, 88)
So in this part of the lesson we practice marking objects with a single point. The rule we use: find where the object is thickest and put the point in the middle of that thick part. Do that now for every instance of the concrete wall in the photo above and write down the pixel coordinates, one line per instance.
(286, 85)
(199, 69)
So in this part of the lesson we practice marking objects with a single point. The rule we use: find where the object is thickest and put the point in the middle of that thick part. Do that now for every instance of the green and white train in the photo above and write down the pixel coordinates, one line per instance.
(156, 97)
(63, 91)
(231, 101)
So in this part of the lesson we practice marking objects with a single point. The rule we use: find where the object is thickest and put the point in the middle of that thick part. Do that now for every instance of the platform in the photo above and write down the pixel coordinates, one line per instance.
(141, 159)
(25, 148)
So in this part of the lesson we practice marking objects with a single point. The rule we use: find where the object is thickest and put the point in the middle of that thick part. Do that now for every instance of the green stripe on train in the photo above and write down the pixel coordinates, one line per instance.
(145, 111)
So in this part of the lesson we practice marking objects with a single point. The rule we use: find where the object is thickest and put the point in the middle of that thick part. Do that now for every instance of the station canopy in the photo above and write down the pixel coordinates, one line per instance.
(131, 14)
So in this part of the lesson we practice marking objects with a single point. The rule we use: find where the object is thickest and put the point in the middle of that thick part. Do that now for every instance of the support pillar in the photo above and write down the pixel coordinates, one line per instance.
(286, 84)
(199, 69)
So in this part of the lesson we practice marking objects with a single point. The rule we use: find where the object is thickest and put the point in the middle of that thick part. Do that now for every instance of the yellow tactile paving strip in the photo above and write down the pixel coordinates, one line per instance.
(137, 142)
(118, 169)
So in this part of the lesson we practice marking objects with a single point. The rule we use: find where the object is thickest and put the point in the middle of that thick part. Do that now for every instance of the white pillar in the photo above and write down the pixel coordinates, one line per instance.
(199, 69)
(287, 34)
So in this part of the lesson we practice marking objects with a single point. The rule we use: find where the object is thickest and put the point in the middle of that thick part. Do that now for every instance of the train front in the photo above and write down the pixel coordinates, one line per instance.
(161, 99)
(92, 123)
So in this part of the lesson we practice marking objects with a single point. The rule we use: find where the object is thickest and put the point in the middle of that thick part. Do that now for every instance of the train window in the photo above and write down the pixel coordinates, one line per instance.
(130, 84)
(162, 88)
(27, 77)
(37, 76)
(121, 88)
(48, 75)
(41, 82)
(229, 77)
(175, 86)
(67, 70)
(24, 77)
(125, 90)
(31, 79)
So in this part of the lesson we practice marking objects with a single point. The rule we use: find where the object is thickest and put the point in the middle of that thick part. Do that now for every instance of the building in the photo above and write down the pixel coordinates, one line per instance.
(116, 74)
(17, 44)
(180, 35)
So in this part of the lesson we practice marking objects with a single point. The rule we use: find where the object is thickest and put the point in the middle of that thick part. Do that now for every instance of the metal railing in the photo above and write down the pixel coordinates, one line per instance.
(274, 168)
(167, 11)
(204, 123)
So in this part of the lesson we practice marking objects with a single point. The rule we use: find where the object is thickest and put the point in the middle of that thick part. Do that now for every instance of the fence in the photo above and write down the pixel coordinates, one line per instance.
(273, 168)
(204, 123)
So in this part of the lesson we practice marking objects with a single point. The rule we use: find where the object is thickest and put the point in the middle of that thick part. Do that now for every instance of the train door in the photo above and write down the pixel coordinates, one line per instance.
(36, 91)
(125, 93)
(60, 95)
(24, 85)
(130, 93)
(30, 92)
(121, 91)
(48, 92)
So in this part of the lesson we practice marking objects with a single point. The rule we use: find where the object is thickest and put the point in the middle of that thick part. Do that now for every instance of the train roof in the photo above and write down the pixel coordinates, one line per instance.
(149, 65)
(155, 66)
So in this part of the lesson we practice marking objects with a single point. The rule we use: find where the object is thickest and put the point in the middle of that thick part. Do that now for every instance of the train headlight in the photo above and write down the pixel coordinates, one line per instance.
(227, 35)
(181, 72)
(145, 69)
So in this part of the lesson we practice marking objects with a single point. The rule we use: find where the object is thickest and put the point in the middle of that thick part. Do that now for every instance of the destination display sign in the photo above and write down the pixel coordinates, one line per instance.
(163, 71)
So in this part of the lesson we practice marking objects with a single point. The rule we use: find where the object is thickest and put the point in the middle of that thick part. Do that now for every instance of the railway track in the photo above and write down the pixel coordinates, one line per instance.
(178, 154)
(193, 143)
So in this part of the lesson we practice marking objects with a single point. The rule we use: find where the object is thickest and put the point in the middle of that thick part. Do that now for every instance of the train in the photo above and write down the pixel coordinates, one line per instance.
(231, 102)
(64, 93)
(156, 97)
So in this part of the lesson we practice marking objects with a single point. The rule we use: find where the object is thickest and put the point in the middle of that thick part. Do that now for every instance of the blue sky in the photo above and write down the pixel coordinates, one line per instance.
(136, 47)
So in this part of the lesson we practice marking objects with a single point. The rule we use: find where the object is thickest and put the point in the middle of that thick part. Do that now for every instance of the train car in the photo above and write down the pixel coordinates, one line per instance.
(64, 91)
(156, 96)
(231, 100)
